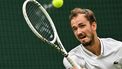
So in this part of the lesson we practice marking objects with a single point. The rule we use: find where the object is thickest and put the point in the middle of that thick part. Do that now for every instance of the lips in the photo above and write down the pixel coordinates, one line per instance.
(81, 37)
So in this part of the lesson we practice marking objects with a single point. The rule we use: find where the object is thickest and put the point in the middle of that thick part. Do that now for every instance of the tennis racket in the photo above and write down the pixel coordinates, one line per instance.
(43, 27)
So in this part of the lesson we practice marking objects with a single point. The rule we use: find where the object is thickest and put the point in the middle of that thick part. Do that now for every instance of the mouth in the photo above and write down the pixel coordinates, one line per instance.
(82, 37)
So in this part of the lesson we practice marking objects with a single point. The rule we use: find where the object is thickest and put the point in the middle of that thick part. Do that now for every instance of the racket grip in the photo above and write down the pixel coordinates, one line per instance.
(73, 63)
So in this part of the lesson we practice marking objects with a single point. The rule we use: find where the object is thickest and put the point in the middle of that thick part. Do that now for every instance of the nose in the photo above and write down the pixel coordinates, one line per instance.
(79, 31)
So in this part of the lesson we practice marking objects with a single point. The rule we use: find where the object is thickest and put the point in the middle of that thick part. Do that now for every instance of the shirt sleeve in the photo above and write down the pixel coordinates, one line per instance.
(79, 61)
(67, 65)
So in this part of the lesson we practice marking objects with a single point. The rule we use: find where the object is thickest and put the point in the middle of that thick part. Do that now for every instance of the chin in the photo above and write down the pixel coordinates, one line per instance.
(86, 42)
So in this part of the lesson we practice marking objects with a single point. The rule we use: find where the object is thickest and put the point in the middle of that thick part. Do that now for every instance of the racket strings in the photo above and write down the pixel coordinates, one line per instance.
(39, 21)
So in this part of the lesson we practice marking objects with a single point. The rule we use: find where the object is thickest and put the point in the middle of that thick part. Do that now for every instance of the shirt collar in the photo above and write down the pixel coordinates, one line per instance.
(90, 53)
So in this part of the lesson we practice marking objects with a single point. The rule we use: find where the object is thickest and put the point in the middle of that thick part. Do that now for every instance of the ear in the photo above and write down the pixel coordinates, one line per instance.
(94, 26)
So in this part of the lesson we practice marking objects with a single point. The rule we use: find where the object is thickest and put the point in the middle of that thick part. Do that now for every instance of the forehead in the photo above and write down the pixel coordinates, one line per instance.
(80, 18)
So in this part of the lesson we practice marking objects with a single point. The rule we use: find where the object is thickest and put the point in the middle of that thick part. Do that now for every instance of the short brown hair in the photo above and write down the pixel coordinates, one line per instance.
(88, 14)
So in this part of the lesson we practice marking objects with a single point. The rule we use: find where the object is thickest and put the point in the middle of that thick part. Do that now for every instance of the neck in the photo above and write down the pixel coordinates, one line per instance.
(95, 48)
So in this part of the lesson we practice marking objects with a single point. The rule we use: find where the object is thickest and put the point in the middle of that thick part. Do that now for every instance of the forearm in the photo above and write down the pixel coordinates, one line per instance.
(77, 68)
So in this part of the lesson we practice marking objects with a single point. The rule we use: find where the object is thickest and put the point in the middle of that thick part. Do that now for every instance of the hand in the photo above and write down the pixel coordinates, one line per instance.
(74, 67)
(77, 68)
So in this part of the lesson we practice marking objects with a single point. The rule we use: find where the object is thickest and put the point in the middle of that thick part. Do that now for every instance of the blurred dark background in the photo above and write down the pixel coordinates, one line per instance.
(21, 49)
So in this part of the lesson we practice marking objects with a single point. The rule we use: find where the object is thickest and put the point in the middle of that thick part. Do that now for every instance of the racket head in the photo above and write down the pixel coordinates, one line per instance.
(39, 21)
(42, 25)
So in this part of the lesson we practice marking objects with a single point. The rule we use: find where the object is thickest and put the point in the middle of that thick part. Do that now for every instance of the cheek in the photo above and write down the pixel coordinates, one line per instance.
(75, 33)
(88, 31)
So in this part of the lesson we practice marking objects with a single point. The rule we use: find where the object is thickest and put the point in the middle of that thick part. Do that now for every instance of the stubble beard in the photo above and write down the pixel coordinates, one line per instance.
(90, 42)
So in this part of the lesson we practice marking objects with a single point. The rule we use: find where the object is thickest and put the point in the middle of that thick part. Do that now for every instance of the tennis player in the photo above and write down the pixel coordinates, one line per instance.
(93, 52)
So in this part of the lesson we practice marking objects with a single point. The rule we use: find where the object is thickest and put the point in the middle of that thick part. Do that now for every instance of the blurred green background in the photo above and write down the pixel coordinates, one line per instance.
(21, 49)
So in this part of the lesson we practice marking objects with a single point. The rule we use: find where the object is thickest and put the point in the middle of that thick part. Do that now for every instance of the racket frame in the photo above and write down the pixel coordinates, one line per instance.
(56, 37)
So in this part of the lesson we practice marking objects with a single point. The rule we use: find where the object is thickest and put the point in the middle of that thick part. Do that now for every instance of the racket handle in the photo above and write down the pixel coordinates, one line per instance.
(74, 64)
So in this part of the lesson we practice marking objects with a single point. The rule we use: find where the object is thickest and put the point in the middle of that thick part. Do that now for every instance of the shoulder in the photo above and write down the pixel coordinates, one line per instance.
(109, 39)
(73, 55)
(75, 50)
(110, 42)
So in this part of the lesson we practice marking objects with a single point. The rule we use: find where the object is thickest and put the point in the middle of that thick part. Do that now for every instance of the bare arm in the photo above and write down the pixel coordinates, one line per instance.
(77, 68)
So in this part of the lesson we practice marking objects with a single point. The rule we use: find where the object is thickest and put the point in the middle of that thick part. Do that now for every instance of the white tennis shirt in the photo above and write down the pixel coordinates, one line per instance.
(110, 57)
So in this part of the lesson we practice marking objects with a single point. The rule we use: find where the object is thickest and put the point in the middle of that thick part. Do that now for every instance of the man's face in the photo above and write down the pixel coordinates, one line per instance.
(83, 30)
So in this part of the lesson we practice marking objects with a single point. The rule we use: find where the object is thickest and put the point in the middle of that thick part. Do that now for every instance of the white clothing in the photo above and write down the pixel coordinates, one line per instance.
(110, 57)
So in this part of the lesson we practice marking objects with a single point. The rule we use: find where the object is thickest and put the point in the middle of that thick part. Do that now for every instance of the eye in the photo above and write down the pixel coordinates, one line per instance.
(74, 28)
(82, 25)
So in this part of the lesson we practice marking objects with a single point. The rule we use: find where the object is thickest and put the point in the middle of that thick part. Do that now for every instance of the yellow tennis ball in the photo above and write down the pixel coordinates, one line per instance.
(57, 3)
